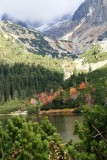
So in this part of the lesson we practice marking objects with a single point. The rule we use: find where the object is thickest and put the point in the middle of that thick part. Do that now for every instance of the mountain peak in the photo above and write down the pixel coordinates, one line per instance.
(81, 30)
(96, 9)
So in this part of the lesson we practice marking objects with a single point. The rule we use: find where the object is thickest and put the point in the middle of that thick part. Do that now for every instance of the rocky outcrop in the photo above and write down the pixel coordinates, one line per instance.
(88, 22)
(91, 17)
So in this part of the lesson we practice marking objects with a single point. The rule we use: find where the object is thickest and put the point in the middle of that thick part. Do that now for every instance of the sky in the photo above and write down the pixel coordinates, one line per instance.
(38, 9)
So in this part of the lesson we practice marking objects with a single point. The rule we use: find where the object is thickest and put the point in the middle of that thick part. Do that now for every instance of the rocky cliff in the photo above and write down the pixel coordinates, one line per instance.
(87, 24)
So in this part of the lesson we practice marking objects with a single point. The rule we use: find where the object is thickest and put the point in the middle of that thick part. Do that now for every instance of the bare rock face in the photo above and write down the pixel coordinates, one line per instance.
(88, 22)
(92, 18)
(95, 11)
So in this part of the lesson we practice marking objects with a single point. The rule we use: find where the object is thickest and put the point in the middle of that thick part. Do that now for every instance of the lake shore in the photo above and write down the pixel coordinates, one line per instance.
(48, 112)
(16, 113)
(60, 111)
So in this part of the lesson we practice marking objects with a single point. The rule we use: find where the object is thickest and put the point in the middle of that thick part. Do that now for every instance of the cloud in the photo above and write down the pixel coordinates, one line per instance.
(38, 9)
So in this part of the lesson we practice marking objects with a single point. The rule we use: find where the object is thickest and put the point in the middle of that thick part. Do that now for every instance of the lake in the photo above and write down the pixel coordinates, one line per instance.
(63, 122)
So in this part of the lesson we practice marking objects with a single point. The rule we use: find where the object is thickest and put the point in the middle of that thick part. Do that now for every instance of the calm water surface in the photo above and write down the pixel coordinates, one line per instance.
(63, 123)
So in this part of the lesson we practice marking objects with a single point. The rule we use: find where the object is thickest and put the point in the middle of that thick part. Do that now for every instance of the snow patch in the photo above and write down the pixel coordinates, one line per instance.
(91, 10)
(50, 25)
(43, 28)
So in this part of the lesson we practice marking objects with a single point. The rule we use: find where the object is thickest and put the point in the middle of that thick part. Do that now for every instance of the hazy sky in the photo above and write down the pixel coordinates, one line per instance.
(38, 9)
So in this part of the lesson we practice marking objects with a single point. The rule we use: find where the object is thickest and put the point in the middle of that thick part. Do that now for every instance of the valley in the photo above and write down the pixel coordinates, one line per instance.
(25, 74)
(55, 68)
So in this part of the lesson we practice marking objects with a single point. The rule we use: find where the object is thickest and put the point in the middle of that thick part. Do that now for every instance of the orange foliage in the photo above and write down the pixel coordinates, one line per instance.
(50, 99)
(43, 95)
(43, 98)
(82, 86)
(72, 91)
(33, 101)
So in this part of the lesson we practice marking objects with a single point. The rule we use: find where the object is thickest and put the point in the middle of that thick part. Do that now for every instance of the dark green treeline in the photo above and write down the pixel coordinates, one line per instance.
(20, 80)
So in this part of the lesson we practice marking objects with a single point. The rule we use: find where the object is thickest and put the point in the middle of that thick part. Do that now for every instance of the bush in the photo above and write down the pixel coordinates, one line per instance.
(93, 135)
(30, 140)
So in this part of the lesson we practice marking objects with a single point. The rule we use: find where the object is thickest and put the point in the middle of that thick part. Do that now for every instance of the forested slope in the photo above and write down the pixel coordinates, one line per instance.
(23, 73)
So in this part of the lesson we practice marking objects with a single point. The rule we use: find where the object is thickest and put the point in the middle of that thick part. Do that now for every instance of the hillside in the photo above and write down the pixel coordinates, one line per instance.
(29, 64)
(87, 25)
(58, 70)
(35, 42)
(23, 73)
(91, 59)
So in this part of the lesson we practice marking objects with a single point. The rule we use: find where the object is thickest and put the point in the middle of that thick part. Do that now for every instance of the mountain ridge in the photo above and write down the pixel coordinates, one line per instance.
(35, 42)
(74, 33)
(88, 23)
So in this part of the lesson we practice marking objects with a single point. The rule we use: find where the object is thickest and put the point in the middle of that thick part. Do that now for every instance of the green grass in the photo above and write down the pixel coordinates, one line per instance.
(11, 106)
(12, 52)
(99, 74)
(94, 55)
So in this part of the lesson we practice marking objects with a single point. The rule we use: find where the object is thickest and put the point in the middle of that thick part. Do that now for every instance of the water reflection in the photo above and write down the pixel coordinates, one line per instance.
(63, 123)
